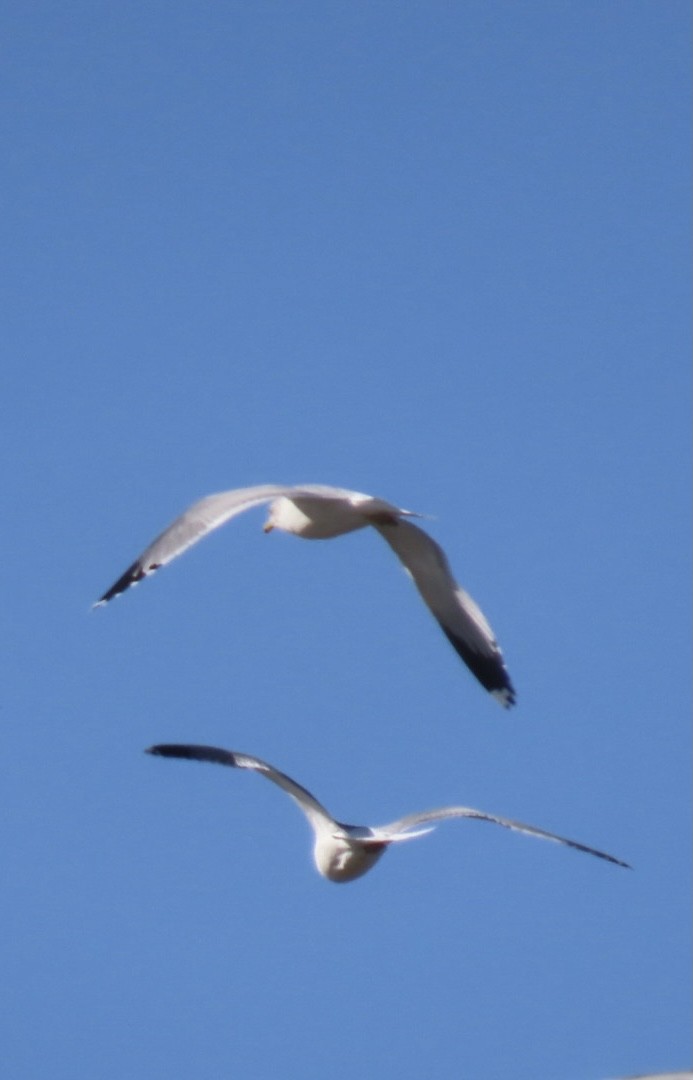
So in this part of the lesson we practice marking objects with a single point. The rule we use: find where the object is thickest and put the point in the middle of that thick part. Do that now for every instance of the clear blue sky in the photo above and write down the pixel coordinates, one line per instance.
(433, 251)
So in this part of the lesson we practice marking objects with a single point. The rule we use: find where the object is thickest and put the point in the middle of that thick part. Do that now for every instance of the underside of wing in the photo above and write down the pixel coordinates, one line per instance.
(310, 806)
(444, 813)
(460, 618)
(193, 524)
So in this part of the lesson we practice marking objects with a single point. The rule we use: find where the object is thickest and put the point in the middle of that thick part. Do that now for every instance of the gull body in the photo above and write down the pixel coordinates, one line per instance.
(346, 852)
(317, 512)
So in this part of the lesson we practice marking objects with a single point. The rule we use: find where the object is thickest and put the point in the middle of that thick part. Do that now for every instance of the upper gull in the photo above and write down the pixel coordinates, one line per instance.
(317, 512)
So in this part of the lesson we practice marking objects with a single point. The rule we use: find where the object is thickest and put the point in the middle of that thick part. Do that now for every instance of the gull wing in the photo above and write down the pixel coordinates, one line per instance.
(313, 810)
(460, 618)
(410, 820)
(215, 510)
(194, 523)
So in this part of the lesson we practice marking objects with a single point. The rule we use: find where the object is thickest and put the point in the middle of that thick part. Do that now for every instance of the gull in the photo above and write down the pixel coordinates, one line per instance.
(345, 852)
(661, 1076)
(317, 512)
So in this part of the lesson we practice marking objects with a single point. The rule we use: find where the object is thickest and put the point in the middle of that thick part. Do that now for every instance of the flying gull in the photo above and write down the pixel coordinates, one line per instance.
(345, 852)
(316, 512)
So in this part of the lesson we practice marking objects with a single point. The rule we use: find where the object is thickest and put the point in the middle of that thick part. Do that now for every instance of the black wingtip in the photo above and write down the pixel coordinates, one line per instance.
(192, 752)
(599, 854)
(174, 750)
(489, 670)
(132, 575)
(612, 859)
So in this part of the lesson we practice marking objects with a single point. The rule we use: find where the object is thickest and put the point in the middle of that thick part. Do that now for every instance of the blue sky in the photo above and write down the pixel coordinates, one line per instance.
(436, 252)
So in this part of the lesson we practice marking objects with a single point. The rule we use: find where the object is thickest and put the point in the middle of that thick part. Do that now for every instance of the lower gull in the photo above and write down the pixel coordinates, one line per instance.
(345, 852)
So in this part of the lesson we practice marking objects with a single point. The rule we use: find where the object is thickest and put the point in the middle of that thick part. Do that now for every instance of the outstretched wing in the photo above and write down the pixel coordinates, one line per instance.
(411, 820)
(314, 811)
(460, 618)
(197, 521)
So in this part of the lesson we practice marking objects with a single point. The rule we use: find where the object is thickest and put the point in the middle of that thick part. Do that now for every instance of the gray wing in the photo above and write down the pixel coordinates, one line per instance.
(194, 523)
(408, 822)
(460, 618)
(314, 811)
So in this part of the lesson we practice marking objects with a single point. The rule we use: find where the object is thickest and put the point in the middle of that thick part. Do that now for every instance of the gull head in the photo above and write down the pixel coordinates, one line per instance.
(285, 515)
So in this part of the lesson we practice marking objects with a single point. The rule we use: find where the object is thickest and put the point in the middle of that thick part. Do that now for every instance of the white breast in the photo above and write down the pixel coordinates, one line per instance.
(341, 859)
(313, 518)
